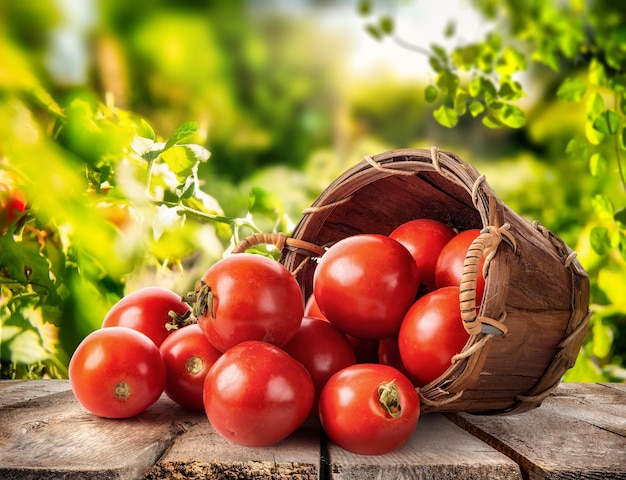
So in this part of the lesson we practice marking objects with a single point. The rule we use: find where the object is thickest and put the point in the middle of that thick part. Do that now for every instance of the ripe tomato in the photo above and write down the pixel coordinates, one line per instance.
(389, 354)
(256, 394)
(248, 297)
(450, 263)
(369, 409)
(148, 311)
(188, 356)
(424, 238)
(117, 372)
(12, 204)
(431, 334)
(364, 284)
(322, 349)
(312, 309)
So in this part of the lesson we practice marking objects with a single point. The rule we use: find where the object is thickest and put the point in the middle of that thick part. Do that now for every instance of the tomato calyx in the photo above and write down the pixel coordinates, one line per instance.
(389, 398)
(178, 320)
(203, 301)
(122, 390)
(194, 365)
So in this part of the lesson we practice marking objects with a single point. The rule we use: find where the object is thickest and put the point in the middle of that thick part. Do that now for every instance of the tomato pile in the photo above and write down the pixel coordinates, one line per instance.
(383, 320)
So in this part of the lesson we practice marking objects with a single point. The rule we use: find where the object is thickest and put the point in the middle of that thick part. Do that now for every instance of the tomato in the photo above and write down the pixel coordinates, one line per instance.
(256, 394)
(312, 309)
(188, 356)
(117, 372)
(366, 351)
(450, 263)
(365, 283)
(148, 311)
(248, 297)
(322, 349)
(369, 409)
(431, 334)
(424, 238)
(389, 354)
(12, 204)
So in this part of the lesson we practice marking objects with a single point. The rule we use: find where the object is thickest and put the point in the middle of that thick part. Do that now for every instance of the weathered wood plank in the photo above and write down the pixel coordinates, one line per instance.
(438, 449)
(578, 432)
(16, 391)
(54, 437)
(201, 453)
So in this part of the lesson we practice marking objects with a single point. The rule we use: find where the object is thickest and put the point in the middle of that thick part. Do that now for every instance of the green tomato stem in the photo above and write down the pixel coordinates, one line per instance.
(389, 398)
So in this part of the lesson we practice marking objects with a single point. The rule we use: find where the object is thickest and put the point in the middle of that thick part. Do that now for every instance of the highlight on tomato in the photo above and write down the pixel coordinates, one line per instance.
(117, 372)
(188, 356)
(424, 238)
(153, 311)
(256, 394)
(369, 409)
(364, 284)
(431, 334)
(248, 297)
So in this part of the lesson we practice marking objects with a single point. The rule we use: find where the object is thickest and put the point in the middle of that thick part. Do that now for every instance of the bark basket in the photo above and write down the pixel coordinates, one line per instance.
(536, 290)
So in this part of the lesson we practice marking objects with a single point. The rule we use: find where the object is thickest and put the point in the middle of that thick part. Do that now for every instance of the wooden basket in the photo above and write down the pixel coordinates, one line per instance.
(535, 309)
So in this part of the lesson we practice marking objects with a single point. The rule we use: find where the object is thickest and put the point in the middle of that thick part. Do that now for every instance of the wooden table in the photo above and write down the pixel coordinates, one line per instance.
(579, 432)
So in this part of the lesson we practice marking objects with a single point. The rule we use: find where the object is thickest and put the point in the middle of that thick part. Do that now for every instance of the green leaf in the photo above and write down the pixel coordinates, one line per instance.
(603, 206)
(591, 134)
(600, 241)
(447, 81)
(145, 130)
(607, 122)
(430, 93)
(265, 202)
(618, 83)
(364, 7)
(595, 105)
(187, 189)
(510, 91)
(618, 240)
(185, 130)
(571, 90)
(620, 217)
(577, 149)
(512, 116)
(623, 139)
(446, 116)
(476, 108)
(374, 31)
(386, 25)
(181, 158)
(465, 57)
(596, 73)
(491, 121)
(481, 87)
(450, 29)
(25, 264)
(598, 165)
(510, 62)
(460, 101)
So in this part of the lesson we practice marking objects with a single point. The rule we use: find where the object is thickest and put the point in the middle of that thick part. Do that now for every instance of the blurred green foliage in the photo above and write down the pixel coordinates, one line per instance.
(149, 136)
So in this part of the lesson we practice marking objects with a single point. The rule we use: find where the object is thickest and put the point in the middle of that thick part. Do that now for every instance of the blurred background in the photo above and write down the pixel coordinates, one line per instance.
(140, 140)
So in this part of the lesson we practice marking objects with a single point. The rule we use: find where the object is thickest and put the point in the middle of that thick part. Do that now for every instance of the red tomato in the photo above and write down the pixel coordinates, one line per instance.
(424, 238)
(256, 394)
(322, 349)
(312, 309)
(431, 334)
(148, 311)
(450, 263)
(369, 409)
(364, 284)
(188, 356)
(117, 372)
(12, 204)
(248, 297)
(389, 354)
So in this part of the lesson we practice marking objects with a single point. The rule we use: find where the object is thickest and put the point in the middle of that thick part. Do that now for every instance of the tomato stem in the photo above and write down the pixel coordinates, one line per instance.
(178, 320)
(389, 398)
(204, 301)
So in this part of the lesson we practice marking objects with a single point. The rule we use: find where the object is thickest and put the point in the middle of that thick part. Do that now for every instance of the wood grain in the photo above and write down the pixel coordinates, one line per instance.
(579, 432)
(437, 450)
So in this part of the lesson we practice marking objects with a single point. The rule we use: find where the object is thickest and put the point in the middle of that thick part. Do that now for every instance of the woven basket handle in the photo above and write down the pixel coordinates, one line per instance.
(281, 241)
(486, 244)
